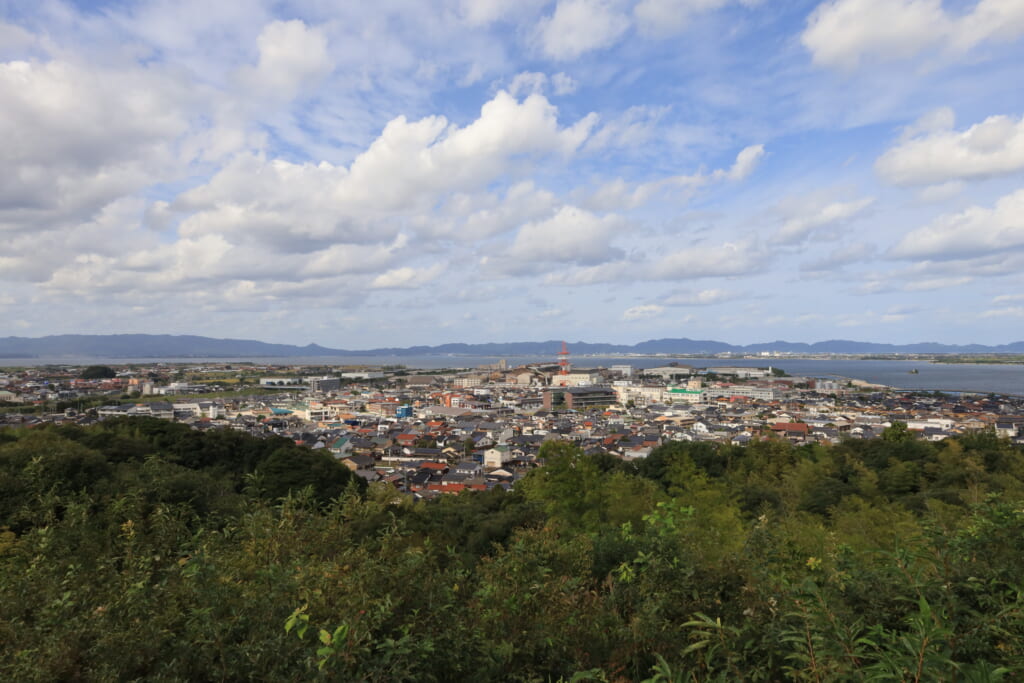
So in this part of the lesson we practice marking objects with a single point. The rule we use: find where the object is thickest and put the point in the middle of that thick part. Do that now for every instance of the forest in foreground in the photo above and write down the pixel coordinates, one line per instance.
(139, 549)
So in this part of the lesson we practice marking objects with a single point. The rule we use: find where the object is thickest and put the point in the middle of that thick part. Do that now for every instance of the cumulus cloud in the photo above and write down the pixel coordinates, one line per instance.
(973, 232)
(572, 235)
(643, 312)
(408, 169)
(258, 226)
(527, 83)
(799, 227)
(345, 259)
(845, 33)
(76, 138)
(412, 161)
(940, 155)
(292, 56)
(580, 26)
(522, 203)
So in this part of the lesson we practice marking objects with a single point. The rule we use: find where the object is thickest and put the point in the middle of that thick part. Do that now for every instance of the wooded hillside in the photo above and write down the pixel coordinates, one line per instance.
(141, 549)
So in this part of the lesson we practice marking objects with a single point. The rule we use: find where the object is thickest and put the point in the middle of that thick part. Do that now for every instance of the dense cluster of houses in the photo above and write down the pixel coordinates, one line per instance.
(445, 432)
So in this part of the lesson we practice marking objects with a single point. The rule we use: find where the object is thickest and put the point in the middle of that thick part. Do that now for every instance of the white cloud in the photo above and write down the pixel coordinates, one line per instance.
(530, 82)
(1008, 312)
(704, 297)
(1004, 298)
(990, 20)
(643, 312)
(260, 228)
(345, 259)
(572, 235)
(581, 26)
(731, 258)
(293, 56)
(413, 161)
(563, 84)
(14, 39)
(619, 194)
(76, 138)
(993, 147)
(746, 161)
(406, 171)
(846, 33)
(973, 232)
(633, 128)
(940, 193)
(801, 226)
(614, 271)
(937, 283)
(527, 83)
(406, 277)
(523, 203)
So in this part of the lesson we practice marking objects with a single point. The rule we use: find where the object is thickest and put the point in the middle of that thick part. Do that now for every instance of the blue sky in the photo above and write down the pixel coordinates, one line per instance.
(408, 172)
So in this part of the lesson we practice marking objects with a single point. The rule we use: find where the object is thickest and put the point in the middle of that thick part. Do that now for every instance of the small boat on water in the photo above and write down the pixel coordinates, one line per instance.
(914, 371)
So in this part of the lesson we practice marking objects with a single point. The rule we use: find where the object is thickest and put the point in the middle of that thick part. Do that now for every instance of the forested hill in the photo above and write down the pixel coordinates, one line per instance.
(191, 346)
(139, 549)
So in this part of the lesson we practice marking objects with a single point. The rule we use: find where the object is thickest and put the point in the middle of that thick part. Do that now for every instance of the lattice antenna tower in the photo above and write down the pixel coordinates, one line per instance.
(563, 360)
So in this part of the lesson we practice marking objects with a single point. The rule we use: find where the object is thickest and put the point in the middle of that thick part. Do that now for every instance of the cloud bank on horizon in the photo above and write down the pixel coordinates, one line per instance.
(411, 172)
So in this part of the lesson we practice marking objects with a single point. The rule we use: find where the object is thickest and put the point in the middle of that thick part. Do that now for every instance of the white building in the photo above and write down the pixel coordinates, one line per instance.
(669, 372)
(742, 373)
(573, 379)
(640, 395)
(758, 393)
(497, 456)
(280, 382)
(681, 395)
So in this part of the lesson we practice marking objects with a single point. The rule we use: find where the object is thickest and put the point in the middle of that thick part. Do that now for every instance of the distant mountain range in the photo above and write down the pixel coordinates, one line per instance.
(186, 346)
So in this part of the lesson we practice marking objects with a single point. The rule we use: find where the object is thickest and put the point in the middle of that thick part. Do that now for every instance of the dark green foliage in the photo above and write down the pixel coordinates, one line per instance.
(144, 550)
(98, 372)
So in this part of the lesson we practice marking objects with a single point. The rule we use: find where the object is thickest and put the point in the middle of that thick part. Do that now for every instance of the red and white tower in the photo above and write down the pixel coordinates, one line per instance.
(563, 360)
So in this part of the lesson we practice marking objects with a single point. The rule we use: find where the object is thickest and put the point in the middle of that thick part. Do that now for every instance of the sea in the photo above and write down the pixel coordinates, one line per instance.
(900, 374)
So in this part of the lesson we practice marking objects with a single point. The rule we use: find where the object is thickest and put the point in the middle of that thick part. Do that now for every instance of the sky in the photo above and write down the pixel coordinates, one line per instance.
(405, 172)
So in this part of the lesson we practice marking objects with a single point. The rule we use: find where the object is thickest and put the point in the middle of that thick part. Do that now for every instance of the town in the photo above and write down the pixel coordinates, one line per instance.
(430, 433)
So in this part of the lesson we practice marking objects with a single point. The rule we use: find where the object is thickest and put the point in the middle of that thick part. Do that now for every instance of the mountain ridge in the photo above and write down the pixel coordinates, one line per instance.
(185, 346)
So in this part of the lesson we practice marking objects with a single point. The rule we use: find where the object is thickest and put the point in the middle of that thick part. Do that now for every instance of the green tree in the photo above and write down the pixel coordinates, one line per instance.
(98, 372)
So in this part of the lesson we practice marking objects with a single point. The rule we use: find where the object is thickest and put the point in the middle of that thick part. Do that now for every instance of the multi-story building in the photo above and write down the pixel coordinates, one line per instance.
(324, 384)
(578, 398)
